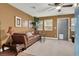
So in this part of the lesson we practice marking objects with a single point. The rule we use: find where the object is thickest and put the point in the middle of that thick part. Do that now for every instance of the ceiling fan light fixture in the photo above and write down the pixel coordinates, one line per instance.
(75, 5)
(58, 7)
(59, 10)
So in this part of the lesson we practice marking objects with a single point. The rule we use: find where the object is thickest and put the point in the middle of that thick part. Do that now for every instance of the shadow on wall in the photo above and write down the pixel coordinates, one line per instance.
(2, 36)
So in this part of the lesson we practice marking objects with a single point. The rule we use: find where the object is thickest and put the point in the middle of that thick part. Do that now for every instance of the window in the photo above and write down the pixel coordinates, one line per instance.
(48, 24)
(40, 25)
(73, 20)
(30, 25)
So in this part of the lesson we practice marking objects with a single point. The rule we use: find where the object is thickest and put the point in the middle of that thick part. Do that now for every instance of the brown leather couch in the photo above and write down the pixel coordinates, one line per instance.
(21, 40)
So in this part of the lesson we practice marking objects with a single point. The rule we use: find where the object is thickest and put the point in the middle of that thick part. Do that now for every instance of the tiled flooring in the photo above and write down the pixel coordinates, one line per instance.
(51, 47)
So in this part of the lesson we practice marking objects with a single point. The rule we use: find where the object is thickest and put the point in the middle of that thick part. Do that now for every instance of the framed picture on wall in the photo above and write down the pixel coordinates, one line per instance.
(17, 21)
(25, 23)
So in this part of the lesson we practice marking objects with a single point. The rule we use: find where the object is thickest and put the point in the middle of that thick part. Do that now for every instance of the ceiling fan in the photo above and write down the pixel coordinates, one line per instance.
(62, 4)
(59, 6)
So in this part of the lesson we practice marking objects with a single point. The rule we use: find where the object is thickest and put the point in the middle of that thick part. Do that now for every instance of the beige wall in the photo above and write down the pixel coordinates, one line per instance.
(53, 33)
(7, 17)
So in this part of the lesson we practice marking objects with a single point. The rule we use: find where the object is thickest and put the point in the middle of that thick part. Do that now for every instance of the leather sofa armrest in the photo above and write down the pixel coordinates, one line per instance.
(20, 42)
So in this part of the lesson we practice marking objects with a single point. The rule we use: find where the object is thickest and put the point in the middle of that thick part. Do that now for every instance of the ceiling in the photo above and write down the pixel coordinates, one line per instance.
(42, 9)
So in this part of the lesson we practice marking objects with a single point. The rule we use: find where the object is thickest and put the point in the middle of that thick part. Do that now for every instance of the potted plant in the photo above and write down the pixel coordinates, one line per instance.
(35, 22)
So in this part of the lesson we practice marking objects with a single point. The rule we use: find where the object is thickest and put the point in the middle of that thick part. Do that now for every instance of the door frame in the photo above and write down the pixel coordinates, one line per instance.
(68, 25)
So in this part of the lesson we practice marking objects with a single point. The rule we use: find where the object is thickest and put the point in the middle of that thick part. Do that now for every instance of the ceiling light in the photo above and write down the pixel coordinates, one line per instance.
(75, 5)
(33, 7)
(58, 7)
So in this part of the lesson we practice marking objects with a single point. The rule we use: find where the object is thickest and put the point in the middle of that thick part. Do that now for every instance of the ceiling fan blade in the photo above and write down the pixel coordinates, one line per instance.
(54, 4)
(68, 5)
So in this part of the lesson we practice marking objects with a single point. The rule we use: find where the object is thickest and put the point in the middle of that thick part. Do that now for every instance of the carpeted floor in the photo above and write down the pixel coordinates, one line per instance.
(50, 47)
(8, 53)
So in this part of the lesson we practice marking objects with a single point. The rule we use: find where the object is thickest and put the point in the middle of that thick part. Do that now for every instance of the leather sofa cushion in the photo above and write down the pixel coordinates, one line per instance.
(18, 39)
(29, 34)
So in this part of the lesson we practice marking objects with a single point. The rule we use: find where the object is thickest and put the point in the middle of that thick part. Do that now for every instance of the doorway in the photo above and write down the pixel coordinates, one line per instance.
(62, 28)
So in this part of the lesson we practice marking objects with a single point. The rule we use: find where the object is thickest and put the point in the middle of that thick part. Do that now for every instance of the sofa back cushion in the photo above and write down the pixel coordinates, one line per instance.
(19, 34)
(18, 39)
(29, 34)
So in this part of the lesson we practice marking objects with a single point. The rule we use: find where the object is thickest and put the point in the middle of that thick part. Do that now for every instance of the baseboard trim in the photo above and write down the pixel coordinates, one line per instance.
(50, 38)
